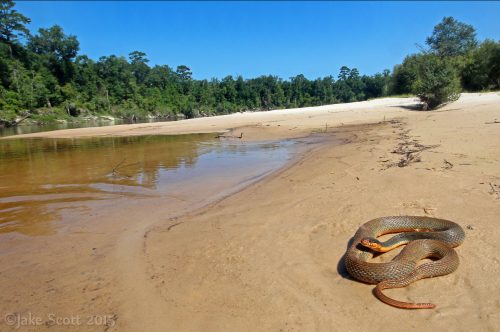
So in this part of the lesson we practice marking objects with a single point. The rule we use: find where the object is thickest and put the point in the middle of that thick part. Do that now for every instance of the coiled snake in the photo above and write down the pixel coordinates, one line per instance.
(425, 238)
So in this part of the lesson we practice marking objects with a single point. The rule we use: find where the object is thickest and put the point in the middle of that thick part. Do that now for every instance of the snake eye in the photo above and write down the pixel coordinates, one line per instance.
(370, 243)
(367, 242)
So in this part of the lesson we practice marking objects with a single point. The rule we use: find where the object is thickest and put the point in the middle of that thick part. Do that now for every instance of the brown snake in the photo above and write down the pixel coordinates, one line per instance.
(424, 237)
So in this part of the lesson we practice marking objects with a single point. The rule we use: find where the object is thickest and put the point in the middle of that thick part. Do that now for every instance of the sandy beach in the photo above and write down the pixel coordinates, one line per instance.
(269, 256)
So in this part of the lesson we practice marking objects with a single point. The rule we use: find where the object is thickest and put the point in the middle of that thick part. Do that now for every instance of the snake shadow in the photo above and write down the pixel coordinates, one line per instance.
(341, 269)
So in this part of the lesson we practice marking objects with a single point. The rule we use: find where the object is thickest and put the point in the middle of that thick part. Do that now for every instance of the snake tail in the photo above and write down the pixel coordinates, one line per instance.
(395, 303)
(447, 262)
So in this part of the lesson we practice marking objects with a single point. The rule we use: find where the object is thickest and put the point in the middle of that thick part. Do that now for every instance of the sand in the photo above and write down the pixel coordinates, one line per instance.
(269, 256)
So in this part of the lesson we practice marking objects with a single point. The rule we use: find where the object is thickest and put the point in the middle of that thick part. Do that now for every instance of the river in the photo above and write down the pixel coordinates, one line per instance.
(25, 128)
(49, 184)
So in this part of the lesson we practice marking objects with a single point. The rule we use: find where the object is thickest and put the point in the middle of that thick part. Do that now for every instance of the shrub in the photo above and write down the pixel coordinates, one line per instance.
(437, 81)
(404, 75)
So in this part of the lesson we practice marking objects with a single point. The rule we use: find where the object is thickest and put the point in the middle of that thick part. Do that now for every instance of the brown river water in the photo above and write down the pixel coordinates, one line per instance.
(47, 185)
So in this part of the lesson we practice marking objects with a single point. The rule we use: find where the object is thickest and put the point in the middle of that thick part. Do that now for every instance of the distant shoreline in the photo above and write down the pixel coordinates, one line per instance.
(224, 123)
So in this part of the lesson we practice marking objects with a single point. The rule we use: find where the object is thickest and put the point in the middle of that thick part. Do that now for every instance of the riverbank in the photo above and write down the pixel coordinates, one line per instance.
(287, 123)
(269, 255)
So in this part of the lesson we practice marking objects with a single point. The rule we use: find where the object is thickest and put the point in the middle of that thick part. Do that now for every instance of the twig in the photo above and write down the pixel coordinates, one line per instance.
(494, 191)
(410, 149)
(115, 168)
(447, 164)
(172, 226)
(428, 210)
(229, 136)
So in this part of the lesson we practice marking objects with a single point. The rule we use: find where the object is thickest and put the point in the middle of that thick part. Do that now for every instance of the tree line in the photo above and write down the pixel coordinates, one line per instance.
(43, 75)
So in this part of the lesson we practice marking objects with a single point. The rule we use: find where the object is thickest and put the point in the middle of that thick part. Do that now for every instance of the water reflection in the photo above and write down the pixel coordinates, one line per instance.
(40, 178)
(34, 128)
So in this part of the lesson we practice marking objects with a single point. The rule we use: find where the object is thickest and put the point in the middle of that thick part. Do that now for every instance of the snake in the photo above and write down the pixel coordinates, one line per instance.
(424, 237)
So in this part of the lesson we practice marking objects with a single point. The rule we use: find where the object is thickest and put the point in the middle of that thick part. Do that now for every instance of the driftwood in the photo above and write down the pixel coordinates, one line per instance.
(229, 136)
(409, 149)
(13, 123)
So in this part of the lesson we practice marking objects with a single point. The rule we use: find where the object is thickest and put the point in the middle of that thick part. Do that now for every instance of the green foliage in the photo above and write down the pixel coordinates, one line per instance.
(482, 67)
(12, 23)
(55, 51)
(49, 114)
(452, 38)
(184, 73)
(454, 61)
(376, 85)
(11, 103)
(437, 81)
(405, 75)
(350, 85)
(138, 65)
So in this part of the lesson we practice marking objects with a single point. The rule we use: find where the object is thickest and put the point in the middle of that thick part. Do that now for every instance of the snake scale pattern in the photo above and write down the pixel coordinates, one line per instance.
(425, 237)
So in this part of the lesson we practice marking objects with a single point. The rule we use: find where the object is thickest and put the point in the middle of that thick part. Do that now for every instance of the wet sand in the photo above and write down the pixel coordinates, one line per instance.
(269, 256)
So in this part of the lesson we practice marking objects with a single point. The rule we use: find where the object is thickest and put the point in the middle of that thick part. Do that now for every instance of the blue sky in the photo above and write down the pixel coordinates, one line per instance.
(284, 38)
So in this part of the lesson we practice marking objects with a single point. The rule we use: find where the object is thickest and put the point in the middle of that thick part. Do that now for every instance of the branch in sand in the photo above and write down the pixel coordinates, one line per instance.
(229, 136)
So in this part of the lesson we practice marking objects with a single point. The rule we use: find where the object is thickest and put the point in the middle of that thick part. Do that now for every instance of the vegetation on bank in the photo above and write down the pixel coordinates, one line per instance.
(44, 76)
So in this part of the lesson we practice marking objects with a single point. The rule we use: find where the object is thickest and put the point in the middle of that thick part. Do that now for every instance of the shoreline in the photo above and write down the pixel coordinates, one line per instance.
(268, 254)
(265, 123)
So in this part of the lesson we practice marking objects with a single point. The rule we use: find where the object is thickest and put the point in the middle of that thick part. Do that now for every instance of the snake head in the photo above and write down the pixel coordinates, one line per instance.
(372, 243)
